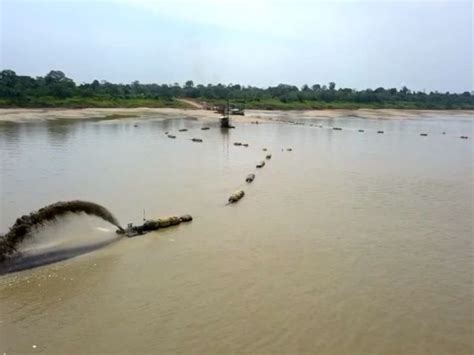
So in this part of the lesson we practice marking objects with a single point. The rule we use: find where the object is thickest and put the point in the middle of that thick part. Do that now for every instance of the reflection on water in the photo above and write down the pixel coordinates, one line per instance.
(352, 243)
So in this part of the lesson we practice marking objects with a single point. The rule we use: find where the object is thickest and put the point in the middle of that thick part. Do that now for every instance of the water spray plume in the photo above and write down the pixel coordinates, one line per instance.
(27, 223)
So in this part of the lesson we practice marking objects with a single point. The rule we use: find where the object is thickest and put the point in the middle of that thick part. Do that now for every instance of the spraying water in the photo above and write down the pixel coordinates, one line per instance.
(26, 224)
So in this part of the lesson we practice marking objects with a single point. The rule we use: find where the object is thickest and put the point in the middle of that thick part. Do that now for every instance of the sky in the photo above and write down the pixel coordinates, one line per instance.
(423, 44)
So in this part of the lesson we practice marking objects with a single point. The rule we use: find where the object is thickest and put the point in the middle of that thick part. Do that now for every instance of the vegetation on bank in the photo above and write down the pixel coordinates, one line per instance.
(88, 102)
(57, 90)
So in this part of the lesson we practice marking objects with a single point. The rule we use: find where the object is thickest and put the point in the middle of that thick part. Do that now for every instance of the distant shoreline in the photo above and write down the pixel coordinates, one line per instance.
(184, 103)
(51, 114)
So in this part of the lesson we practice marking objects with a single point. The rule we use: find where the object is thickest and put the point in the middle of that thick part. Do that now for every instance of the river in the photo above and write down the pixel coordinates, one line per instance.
(352, 243)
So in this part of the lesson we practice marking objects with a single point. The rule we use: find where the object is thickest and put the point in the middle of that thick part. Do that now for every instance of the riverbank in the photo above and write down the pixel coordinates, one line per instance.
(79, 102)
(32, 115)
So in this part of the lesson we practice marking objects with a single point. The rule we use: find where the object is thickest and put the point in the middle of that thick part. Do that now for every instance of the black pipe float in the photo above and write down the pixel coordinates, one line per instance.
(261, 164)
(250, 178)
(236, 196)
(152, 225)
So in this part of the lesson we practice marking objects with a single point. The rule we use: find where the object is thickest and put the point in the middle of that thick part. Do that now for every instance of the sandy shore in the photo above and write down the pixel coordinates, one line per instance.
(31, 115)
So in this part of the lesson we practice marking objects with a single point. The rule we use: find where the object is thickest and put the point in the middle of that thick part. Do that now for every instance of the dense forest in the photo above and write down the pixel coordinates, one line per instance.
(57, 90)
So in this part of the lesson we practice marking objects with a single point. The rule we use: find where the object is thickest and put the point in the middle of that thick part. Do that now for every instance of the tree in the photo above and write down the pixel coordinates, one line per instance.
(58, 85)
(332, 86)
(55, 76)
(8, 77)
(189, 84)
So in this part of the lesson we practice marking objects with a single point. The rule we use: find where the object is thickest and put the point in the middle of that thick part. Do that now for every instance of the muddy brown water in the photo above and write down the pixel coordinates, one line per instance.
(353, 243)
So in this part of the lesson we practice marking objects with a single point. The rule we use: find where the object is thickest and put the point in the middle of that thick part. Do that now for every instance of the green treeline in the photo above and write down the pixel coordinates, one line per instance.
(57, 90)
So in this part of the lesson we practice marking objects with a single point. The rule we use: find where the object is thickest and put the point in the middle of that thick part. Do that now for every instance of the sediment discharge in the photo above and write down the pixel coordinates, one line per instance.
(27, 223)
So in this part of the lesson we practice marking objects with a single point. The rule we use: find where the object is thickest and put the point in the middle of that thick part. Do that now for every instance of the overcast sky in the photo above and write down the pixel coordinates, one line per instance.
(425, 45)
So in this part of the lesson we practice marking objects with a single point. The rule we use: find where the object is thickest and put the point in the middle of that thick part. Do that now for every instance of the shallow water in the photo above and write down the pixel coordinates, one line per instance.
(352, 243)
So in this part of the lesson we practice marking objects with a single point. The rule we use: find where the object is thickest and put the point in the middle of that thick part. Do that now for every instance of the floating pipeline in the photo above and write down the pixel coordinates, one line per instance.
(236, 196)
(289, 149)
(237, 144)
(268, 156)
(380, 132)
(250, 178)
(182, 130)
(153, 225)
(361, 130)
(205, 128)
(28, 223)
(171, 136)
(264, 149)
(424, 134)
(245, 144)
(464, 137)
(337, 128)
(261, 164)
(199, 140)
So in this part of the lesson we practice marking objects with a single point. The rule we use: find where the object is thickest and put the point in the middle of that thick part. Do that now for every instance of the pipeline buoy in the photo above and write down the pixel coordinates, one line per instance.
(337, 128)
(464, 137)
(205, 128)
(154, 224)
(182, 130)
(197, 140)
(250, 177)
(171, 136)
(237, 144)
(237, 195)
(186, 218)
(261, 164)
(269, 156)
(380, 132)
(423, 134)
